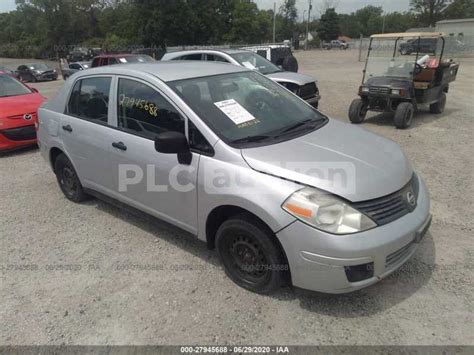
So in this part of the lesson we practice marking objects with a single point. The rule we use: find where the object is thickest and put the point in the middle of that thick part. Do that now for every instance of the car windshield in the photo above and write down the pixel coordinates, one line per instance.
(39, 66)
(12, 87)
(245, 108)
(136, 59)
(397, 58)
(254, 61)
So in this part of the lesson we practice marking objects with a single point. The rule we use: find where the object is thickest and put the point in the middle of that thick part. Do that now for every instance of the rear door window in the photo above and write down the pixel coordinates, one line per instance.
(197, 56)
(216, 58)
(89, 99)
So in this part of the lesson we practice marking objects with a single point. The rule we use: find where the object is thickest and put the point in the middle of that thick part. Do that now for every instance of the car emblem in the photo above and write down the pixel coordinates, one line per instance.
(27, 117)
(411, 199)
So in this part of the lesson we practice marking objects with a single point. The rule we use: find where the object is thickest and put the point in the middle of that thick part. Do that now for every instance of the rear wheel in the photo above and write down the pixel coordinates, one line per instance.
(250, 256)
(68, 179)
(438, 106)
(290, 64)
(357, 111)
(404, 115)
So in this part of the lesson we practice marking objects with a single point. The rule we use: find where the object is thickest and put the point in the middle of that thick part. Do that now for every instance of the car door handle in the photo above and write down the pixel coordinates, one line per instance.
(119, 145)
(67, 128)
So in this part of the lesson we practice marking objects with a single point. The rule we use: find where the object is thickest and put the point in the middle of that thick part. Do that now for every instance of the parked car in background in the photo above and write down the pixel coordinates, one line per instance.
(36, 72)
(18, 113)
(110, 59)
(74, 68)
(279, 54)
(423, 45)
(302, 85)
(335, 44)
(245, 166)
(8, 71)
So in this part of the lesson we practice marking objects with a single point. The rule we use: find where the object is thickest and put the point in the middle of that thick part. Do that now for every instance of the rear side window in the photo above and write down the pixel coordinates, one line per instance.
(90, 99)
(144, 111)
(190, 57)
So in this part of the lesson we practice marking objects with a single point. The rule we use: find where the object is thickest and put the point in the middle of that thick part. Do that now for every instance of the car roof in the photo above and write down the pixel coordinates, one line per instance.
(118, 55)
(207, 50)
(409, 34)
(169, 70)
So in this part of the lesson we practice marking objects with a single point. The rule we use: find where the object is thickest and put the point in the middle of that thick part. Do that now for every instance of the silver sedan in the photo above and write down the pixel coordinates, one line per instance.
(284, 193)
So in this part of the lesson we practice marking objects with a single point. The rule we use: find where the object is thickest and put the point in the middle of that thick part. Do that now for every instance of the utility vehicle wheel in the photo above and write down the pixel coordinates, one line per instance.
(357, 111)
(250, 256)
(438, 106)
(68, 180)
(404, 115)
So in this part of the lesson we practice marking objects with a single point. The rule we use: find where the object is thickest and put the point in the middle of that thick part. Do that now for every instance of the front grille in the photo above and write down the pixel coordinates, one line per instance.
(20, 134)
(308, 90)
(386, 209)
(394, 258)
(376, 90)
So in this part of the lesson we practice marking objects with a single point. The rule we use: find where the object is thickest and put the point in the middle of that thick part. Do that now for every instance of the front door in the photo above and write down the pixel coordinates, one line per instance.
(153, 182)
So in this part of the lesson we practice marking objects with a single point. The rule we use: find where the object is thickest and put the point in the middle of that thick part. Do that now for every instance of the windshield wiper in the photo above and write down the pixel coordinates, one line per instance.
(297, 125)
(251, 139)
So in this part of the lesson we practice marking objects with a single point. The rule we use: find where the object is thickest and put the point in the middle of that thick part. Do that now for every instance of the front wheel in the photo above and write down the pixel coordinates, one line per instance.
(438, 106)
(404, 115)
(68, 179)
(251, 257)
(357, 111)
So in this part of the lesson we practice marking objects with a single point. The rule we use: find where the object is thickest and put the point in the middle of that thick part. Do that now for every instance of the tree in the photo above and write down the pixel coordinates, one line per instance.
(288, 16)
(329, 25)
(429, 11)
(460, 9)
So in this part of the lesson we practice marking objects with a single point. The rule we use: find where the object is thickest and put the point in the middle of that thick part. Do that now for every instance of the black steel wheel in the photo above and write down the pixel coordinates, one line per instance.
(251, 257)
(438, 106)
(68, 179)
(404, 115)
(357, 111)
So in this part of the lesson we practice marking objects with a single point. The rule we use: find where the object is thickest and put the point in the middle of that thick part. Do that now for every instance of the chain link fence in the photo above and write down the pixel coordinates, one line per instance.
(455, 47)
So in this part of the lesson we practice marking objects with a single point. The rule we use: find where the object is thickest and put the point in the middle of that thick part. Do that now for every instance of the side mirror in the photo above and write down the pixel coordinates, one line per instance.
(174, 143)
(34, 90)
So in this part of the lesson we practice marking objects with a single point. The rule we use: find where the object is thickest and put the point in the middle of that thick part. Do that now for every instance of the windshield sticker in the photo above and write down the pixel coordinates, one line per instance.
(236, 112)
(249, 65)
(144, 105)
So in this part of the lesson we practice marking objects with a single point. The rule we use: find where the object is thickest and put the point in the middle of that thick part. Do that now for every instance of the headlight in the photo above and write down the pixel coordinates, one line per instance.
(398, 92)
(326, 212)
(364, 89)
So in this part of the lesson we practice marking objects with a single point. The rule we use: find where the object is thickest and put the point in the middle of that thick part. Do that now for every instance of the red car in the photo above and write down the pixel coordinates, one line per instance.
(18, 113)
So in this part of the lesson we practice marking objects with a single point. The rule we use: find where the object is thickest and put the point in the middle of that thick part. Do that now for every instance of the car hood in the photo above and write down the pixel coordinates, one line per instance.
(19, 105)
(290, 77)
(347, 161)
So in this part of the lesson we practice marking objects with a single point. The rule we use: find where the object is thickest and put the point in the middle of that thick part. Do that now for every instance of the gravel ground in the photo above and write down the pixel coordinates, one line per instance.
(75, 274)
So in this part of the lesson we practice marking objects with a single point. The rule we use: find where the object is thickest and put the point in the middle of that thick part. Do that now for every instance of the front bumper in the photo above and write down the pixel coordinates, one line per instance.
(46, 76)
(318, 260)
(15, 138)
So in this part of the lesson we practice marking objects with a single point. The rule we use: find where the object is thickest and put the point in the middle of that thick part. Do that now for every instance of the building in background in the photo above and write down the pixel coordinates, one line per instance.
(456, 28)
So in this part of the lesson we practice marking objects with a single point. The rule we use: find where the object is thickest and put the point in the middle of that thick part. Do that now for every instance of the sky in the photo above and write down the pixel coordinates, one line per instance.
(343, 6)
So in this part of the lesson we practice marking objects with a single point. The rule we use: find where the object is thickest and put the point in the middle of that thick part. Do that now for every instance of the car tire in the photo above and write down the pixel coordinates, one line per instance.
(68, 180)
(65, 77)
(438, 106)
(404, 115)
(357, 111)
(251, 257)
(33, 79)
(290, 64)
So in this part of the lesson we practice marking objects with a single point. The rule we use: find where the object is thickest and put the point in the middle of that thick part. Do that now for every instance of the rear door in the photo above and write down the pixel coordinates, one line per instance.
(85, 131)
(153, 182)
